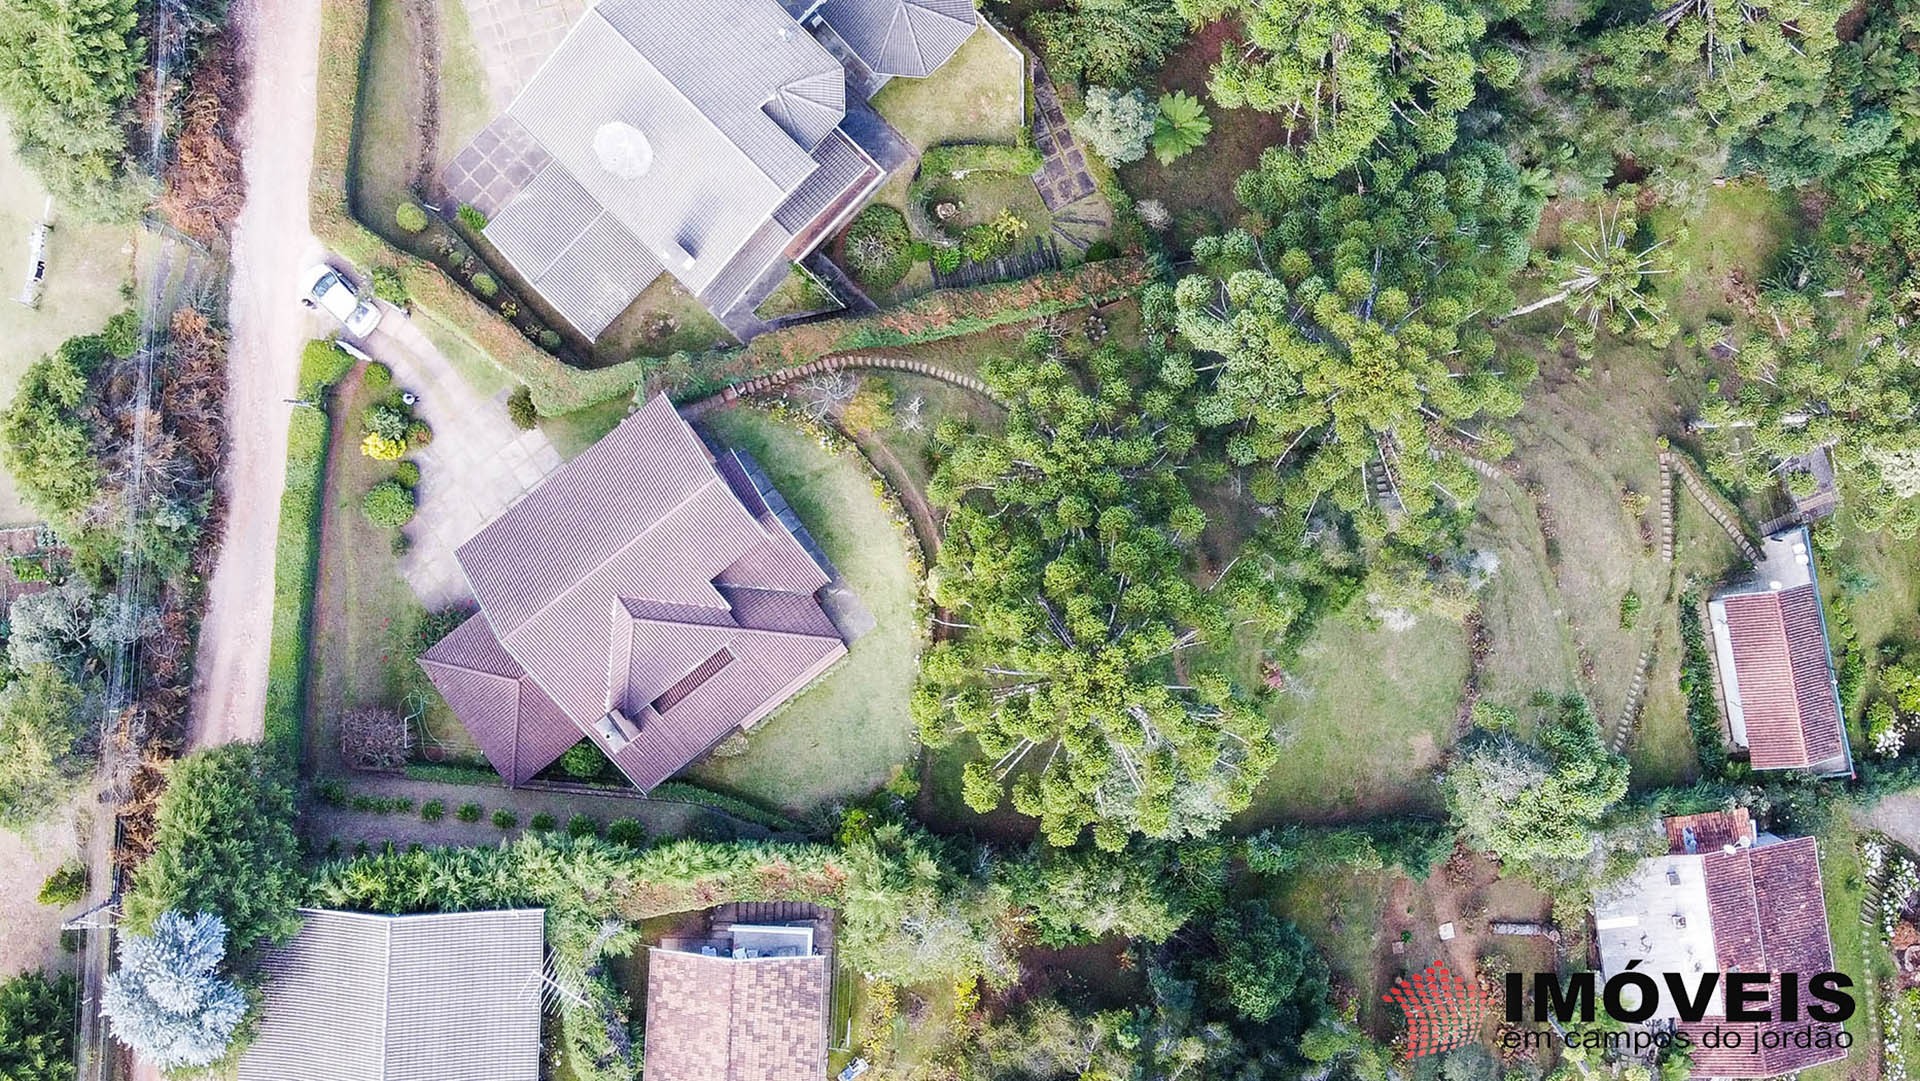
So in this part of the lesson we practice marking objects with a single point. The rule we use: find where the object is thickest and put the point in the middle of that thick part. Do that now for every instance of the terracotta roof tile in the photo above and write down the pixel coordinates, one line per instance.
(1769, 915)
(718, 1019)
(1782, 675)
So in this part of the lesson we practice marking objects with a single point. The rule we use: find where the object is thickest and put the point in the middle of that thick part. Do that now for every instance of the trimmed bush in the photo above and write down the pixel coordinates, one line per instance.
(322, 364)
(582, 826)
(294, 563)
(549, 339)
(472, 217)
(433, 810)
(468, 812)
(879, 250)
(505, 819)
(520, 408)
(410, 217)
(389, 286)
(388, 504)
(419, 433)
(65, 886)
(542, 823)
(407, 473)
(628, 831)
(377, 377)
(486, 285)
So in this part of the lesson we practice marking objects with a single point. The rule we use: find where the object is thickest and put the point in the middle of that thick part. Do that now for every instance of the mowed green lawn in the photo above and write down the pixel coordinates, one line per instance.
(843, 737)
(1367, 714)
(976, 97)
(88, 268)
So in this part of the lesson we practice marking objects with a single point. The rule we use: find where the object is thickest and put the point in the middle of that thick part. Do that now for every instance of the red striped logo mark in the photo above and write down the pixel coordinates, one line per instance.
(1443, 1011)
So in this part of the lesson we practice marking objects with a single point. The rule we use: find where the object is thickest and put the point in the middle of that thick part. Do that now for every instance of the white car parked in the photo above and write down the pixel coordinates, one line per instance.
(329, 290)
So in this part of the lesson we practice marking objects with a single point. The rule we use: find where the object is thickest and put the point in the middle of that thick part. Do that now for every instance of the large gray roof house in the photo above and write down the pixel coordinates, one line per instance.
(650, 596)
(438, 997)
(706, 139)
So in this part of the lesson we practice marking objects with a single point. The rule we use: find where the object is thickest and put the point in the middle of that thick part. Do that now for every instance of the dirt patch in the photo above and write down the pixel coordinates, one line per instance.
(1198, 188)
(29, 930)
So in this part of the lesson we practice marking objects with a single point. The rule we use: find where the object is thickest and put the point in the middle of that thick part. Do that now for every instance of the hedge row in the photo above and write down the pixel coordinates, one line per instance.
(685, 792)
(557, 386)
(947, 313)
(295, 565)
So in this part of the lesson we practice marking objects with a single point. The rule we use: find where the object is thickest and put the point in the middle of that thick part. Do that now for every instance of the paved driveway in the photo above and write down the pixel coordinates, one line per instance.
(477, 466)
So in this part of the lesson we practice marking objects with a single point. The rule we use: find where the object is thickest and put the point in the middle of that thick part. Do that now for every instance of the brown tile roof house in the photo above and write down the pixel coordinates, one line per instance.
(723, 1016)
(647, 596)
(1776, 678)
(441, 997)
(1724, 898)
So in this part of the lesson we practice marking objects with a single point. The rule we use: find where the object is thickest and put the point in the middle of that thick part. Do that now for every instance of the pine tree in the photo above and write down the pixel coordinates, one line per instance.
(167, 1001)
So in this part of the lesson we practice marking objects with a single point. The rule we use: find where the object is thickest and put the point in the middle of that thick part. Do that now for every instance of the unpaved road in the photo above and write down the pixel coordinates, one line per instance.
(272, 242)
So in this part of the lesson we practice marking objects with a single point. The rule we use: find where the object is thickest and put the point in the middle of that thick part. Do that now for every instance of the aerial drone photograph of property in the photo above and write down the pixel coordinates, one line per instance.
(959, 540)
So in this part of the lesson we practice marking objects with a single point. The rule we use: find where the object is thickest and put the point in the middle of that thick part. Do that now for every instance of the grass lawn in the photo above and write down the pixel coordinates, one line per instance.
(364, 614)
(1845, 885)
(88, 267)
(663, 319)
(798, 295)
(844, 736)
(1367, 715)
(1198, 188)
(979, 96)
(1743, 227)
(574, 432)
(386, 143)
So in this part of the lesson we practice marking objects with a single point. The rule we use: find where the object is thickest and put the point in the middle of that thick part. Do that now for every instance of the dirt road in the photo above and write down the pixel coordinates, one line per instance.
(272, 241)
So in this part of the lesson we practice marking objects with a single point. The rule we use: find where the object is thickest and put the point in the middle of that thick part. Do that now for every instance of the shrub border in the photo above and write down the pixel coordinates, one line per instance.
(296, 550)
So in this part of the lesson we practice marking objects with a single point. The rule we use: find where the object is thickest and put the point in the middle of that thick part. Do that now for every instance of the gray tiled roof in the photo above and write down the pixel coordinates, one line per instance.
(608, 584)
(902, 37)
(444, 997)
(731, 97)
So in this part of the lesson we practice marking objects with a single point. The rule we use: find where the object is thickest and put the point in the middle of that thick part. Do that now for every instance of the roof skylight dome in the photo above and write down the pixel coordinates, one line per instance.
(622, 150)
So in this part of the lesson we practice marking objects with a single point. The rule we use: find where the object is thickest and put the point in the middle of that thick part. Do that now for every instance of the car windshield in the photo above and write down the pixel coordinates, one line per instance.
(327, 283)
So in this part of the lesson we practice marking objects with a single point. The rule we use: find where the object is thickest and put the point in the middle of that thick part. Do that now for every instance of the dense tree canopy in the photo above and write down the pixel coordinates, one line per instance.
(1541, 803)
(36, 1027)
(1109, 42)
(224, 845)
(1344, 71)
(1350, 338)
(1063, 563)
(68, 71)
(43, 732)
(168, 999)
(1146, 891)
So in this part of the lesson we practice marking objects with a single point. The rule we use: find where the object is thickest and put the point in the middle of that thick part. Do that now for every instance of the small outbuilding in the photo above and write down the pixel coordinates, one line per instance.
(439, 997)
(1776, 675)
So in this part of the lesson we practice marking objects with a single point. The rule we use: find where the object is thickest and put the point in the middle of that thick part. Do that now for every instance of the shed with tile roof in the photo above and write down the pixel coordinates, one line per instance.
(1776, 675)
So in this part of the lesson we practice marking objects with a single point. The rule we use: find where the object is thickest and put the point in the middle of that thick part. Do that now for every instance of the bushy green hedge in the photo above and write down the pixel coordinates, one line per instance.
(295, 563)
(453, 773)
(322, 364)
(682, 792)
(979, 158)
(878, 247)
